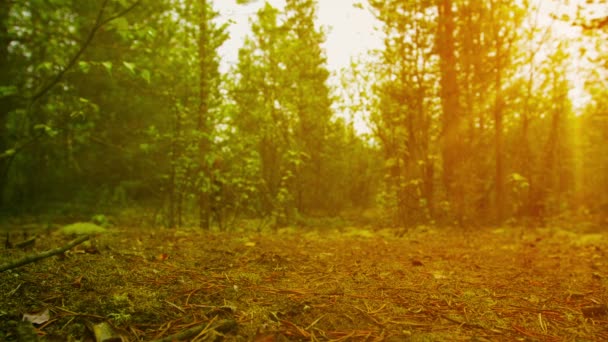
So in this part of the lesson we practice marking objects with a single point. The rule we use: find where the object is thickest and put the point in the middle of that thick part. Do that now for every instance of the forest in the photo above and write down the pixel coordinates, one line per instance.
(115, 105)
(277, 199)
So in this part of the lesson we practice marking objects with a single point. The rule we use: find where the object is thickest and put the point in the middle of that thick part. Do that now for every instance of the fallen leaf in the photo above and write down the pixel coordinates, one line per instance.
(38, 317)
(438, 275)
(91, 250)
(77, 282)
(595, 311)
(105, 332)
(417, 263)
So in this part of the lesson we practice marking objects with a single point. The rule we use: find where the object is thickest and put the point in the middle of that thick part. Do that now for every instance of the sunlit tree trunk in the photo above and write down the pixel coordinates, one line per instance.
(557, 164)
(423, 121)
(451, 135)
(498, 116)
(500, 153)
(552, 168)
(526, 160)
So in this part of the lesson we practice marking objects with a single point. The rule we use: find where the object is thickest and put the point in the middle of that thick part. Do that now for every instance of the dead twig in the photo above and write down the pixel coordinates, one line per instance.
(27, 243)
(302, 332)
(222, 326)
(35, 257)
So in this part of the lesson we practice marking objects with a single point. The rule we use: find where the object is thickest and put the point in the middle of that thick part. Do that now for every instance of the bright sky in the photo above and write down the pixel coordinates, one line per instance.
(349, 30)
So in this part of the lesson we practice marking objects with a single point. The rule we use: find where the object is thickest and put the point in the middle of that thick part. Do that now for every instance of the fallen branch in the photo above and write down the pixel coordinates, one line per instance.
(222, 326)
(27, 243)
(35, 257)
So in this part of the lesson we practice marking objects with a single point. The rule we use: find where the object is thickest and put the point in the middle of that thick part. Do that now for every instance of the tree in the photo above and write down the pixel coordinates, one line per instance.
(287, 113)
(262, 116)
(506, 18)
(7, 91)
(310, 103)
(452, 145)
(29, 112)
(406, 107)
(206, 66)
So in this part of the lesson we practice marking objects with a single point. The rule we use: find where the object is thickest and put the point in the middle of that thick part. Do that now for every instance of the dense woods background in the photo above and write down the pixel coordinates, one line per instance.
(109, 106)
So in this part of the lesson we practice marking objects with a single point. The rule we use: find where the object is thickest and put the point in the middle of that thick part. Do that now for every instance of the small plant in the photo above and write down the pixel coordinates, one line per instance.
(120, 318)
(519, 188)
(101, 220)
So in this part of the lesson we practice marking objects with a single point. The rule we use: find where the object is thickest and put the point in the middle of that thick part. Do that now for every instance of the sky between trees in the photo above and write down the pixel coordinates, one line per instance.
(352, 33)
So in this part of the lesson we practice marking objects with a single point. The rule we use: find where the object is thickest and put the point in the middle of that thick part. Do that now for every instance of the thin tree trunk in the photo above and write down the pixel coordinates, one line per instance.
(526, 159)
(5, 102)
(203, 192)
(500, 159)
(173, 187)
(451, 135)
(498, 124)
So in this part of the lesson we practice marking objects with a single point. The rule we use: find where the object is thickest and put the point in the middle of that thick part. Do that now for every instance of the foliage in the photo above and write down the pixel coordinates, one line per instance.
(466, 94)
(111, 105)
(307, 159)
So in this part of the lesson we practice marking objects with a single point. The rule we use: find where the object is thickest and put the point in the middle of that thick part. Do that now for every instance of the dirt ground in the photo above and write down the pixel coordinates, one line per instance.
(427, 284)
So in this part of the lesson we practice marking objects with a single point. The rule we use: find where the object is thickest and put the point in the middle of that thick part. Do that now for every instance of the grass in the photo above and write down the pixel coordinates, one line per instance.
(315, 284)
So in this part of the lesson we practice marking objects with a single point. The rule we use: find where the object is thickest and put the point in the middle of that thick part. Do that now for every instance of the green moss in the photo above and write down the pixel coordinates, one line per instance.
(82, 228)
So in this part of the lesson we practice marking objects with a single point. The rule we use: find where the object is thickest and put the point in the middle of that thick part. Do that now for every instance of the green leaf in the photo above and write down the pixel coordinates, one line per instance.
(77, 113)
(84, 67)
(145, 74)
(8, 153)
(7, 91)
(47, 129)
(130, 66)
(108, 66)
(122, 26)
(45, 66)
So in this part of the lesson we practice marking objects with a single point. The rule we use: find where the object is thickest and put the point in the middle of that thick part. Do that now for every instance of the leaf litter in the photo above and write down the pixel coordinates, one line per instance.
(135, 284)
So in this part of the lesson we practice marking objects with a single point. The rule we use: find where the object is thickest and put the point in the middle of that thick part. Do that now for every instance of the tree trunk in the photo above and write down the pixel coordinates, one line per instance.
(451, 135)
(203, 191)
(500, 153)
(498, 123)
(5, 102)
(174, 187)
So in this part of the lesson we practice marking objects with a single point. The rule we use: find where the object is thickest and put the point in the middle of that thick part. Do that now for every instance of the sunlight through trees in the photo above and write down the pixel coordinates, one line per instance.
(478, 113)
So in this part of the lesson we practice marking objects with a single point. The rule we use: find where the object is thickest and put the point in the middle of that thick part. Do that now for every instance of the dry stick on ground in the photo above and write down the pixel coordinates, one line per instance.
(35, 257)
(222, 326)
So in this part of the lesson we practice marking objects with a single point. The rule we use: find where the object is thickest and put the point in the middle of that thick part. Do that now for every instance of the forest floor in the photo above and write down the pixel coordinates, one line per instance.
(429, 284)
